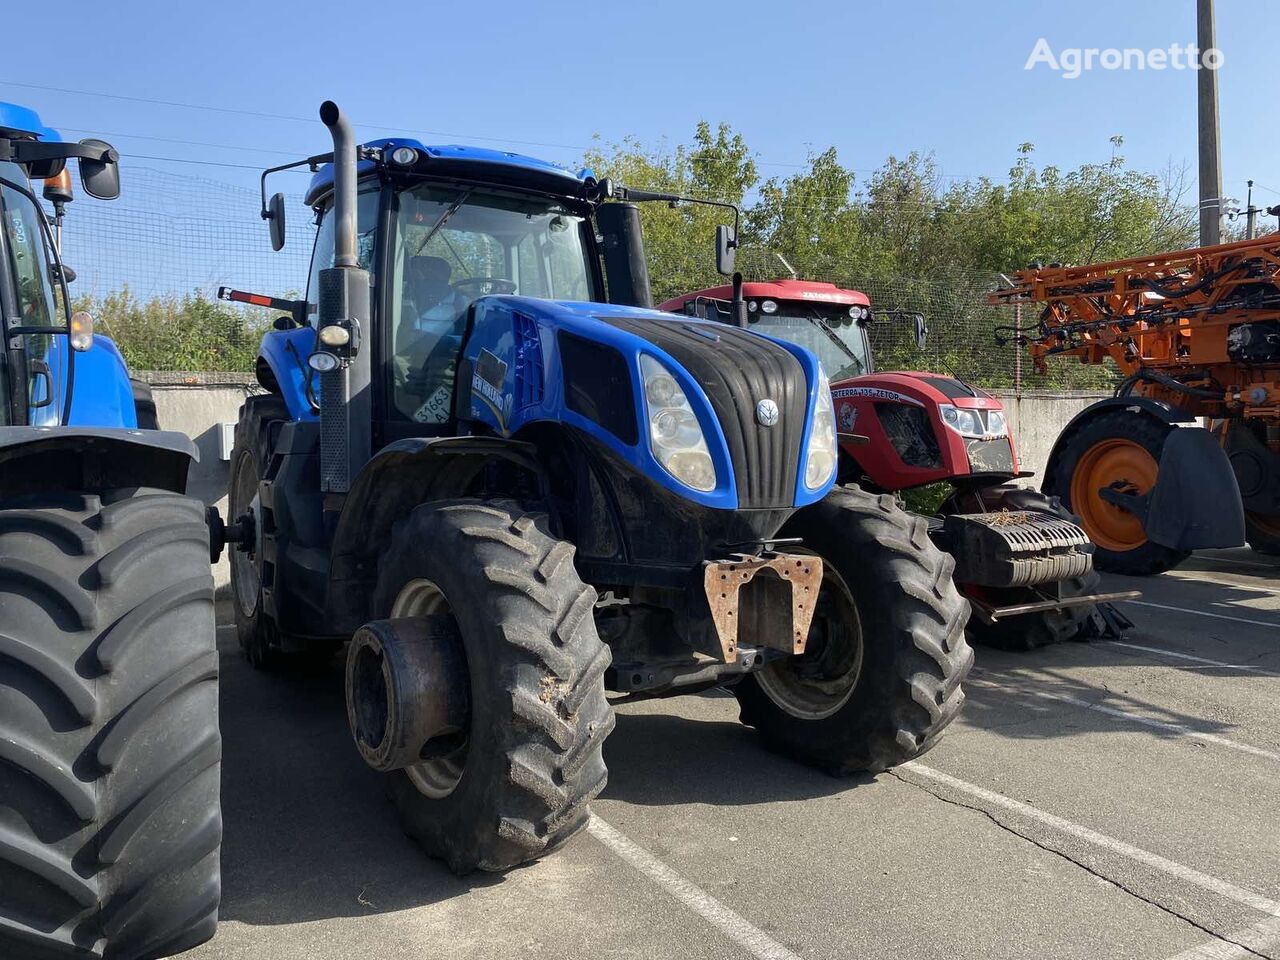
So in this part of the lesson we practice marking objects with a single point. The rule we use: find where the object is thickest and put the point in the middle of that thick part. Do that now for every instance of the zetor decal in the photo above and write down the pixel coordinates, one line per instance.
(873, 393)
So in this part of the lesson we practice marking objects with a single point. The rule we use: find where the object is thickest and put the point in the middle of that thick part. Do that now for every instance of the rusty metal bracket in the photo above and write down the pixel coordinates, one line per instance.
(776, 609)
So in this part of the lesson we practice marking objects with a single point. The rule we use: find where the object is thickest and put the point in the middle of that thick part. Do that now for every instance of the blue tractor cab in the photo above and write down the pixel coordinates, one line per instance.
(486, 465)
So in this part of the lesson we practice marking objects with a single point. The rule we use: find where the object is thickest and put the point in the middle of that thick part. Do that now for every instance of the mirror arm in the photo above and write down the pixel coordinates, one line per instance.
(33, 151)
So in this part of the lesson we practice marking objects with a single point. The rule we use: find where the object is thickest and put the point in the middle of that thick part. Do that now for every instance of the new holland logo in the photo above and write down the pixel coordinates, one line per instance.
(766, 413)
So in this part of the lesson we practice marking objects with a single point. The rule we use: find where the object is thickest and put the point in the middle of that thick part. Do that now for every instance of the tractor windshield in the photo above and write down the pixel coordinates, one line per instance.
(454, 244)
(825, 329)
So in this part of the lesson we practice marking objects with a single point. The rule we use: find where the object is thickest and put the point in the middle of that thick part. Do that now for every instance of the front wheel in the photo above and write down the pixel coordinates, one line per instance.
(1117, 450)
(881, 674)
(515, 782)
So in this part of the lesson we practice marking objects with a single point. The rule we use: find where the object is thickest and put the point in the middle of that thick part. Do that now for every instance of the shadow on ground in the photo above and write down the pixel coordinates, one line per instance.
(309, 833)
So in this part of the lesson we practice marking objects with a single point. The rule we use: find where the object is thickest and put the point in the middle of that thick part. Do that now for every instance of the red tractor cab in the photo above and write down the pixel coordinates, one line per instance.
(1021, 558)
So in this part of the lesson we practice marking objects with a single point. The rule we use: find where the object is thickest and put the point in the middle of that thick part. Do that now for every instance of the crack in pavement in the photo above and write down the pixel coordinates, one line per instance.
(1083, 866)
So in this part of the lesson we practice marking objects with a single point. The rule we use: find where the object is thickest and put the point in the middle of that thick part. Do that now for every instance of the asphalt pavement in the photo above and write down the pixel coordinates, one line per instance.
(1110, 799)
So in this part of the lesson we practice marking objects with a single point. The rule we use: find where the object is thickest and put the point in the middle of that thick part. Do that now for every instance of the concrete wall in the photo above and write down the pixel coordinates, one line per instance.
(198, 407)
(1036, 419)
(197, 410)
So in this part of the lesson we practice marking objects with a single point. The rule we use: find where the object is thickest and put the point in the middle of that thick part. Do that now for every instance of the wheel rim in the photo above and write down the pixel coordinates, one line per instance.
(438, 777)
(1105, 464)
(820, 681)
(246, 581)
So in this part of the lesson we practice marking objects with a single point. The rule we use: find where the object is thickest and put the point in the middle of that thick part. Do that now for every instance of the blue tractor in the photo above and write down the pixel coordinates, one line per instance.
(484, 463)
(109, 747)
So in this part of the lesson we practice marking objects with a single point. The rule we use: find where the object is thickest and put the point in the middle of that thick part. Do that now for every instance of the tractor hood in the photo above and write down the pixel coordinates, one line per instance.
(918, 387)
(530, 361)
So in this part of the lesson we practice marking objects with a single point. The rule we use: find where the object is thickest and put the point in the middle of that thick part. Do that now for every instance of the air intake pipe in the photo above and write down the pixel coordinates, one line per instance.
(344, 302)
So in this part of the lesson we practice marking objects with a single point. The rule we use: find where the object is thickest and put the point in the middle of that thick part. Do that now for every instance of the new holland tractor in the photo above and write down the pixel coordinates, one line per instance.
(484, 464)
(110, 824)
(1021, 559)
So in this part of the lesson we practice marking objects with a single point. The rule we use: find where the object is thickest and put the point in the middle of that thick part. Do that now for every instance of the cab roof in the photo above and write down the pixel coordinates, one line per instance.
(808, 291)
(450, 161)
(21, 122)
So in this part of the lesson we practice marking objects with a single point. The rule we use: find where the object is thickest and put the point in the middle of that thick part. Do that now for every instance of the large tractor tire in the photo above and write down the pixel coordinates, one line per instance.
(880, 678)
(144, 404)
(1033, 630)
(1117, 449)
(261, 418)
(1262, 533)
(516, 785)
(109, 817)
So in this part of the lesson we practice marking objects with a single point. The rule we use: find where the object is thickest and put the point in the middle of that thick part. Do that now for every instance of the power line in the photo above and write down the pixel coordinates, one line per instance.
(369, 124)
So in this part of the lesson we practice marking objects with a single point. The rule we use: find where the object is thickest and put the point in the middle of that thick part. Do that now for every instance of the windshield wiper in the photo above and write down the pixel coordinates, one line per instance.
(816, 319)
(444, 218)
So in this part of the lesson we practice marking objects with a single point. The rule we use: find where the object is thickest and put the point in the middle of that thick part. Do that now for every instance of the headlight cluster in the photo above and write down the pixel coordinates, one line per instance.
(675, 436)
(821, 460)
(859, 313)
(968, 423)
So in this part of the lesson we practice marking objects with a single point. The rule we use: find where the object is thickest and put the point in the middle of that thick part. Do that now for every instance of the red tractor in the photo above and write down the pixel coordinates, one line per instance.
(1021, 558)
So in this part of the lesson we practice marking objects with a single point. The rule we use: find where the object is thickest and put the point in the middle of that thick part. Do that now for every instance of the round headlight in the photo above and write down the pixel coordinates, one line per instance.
(322, 362)
(404, 156)
(769, 306)
(334, 335)
(751, 305)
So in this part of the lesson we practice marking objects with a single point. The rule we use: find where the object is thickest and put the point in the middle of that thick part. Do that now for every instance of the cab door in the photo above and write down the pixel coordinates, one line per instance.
(38, 359)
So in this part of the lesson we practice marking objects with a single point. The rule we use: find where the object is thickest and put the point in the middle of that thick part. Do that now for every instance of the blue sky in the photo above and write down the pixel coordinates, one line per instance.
(869, 78)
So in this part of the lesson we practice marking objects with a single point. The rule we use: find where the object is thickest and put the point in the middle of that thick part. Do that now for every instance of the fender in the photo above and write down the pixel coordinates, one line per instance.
(102, 395)
(398, 478)
(38, 459)
(1164, 412)
(1195, 503)
(285, 352)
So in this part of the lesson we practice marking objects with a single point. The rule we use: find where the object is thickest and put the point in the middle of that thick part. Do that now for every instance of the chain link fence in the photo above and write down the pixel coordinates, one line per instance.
(149, 265)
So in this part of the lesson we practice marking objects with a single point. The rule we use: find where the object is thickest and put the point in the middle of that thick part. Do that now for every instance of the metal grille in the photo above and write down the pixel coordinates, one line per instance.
(334, 462)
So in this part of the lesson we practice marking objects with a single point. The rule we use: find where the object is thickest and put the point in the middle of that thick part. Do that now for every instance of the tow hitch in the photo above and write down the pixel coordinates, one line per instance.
(762, 601)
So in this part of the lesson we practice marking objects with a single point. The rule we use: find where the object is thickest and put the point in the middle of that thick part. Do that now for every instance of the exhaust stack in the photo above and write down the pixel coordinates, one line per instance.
(344, 301)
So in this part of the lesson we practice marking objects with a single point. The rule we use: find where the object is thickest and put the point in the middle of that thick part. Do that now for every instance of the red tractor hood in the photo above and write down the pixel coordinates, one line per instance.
(924, 389)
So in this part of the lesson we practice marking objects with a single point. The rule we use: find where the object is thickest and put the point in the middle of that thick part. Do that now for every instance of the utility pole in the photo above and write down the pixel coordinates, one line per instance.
(1210, 150)
(1250, 214)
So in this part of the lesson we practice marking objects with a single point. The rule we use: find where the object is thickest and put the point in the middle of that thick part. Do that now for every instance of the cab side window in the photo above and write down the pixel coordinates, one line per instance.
(322, 255)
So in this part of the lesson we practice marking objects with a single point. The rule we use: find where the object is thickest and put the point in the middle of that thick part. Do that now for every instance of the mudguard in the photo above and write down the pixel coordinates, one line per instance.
(1164, 412)
(285, 352)
(1195, 503)
(44, 458)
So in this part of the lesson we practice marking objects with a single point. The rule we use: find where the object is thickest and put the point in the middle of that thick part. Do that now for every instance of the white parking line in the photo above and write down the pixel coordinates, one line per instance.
(1186, 656)
(1204, 613)
(1178, 728)
(1223, 888)
(1249, 942)
(733, 925)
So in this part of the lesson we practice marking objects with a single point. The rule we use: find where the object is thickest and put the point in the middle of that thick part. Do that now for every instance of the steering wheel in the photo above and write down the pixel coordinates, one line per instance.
(497, 285)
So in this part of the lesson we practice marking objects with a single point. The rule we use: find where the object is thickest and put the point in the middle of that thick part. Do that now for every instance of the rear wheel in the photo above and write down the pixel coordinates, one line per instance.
(260, 420)
(1119, 450)
(144, 405)
(1033, 630)
(516, 784)
(1262, 532)
(886, 654)
(110, 824)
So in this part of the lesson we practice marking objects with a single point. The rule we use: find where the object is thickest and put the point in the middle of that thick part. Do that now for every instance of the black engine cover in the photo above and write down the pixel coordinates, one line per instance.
(738, 370)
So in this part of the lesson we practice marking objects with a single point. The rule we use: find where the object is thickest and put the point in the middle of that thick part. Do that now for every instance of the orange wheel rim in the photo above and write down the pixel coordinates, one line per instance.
(1106, 464)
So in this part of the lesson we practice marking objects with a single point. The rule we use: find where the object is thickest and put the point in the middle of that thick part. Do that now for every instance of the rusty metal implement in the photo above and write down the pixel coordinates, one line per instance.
(762, 601)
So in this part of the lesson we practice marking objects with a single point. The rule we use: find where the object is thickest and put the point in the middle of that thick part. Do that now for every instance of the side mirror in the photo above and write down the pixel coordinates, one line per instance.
(275, 220)
(922, 330)
(726, 244)
(101, 178)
